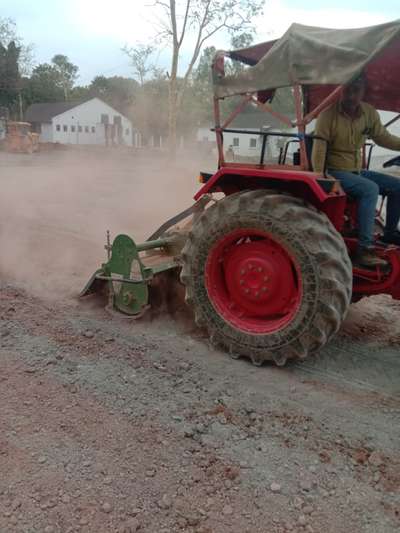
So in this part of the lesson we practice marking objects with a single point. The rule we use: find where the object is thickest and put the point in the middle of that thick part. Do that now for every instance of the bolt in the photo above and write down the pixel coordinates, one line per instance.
(266, 278)
(242, 272)
(260, 269)
(257, 294)
(264, 289)
(247, 291)
(241, 282)
(250, 267)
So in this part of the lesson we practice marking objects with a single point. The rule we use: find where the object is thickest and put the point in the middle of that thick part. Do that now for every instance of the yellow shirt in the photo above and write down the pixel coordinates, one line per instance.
(346, 137)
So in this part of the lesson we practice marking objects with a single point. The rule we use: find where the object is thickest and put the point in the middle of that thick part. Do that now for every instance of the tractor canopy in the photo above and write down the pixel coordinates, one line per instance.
(319, 59)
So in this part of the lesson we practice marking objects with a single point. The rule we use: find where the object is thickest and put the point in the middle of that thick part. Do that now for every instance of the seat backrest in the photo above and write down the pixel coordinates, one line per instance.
(309, 141)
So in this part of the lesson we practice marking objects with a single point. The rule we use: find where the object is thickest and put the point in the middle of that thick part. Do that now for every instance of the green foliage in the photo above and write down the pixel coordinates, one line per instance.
(44, 85)
(67, 72)
(9, 34)
(9, 75)
(117, 91)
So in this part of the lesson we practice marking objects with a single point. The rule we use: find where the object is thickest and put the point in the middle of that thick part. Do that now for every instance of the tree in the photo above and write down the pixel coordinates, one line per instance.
(44, 85)
(201, 19)
(139, 57)
(9, 34)
(67, 72)
(117, 91)
(9, 76)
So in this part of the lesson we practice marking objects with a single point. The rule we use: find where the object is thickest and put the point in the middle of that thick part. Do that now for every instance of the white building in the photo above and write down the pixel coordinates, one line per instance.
(89, 122)
(248, 145)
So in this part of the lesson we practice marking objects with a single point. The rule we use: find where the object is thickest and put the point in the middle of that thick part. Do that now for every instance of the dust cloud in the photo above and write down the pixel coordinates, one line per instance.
(55, 208)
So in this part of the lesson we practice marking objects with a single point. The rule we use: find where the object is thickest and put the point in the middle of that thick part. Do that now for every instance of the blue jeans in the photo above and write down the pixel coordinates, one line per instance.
(365, 189)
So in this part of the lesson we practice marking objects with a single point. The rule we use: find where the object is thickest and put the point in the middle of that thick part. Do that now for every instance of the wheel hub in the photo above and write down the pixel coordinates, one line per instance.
(253, 281)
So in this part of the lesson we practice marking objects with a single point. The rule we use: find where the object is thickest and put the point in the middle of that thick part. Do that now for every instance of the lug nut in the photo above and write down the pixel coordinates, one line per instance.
(266, 278)
(247, 291)
(242, 272)
(257, 294)
(260, 269)
(264, 289)
(241, 282)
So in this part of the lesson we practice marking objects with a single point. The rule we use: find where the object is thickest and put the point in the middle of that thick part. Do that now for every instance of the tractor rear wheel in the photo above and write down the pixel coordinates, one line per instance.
(268, 276)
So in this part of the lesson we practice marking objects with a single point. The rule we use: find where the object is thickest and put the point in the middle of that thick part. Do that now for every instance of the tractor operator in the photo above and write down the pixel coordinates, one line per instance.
(345, 126)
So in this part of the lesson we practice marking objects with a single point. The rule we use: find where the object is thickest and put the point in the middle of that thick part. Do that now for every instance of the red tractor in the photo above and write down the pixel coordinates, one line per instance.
(267, 269)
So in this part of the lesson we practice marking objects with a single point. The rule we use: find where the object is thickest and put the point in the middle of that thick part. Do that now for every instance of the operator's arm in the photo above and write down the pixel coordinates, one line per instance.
(322, 129)
(380, 135)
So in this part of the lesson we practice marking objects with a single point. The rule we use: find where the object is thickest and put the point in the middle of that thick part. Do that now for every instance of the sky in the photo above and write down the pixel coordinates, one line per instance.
(92, 32)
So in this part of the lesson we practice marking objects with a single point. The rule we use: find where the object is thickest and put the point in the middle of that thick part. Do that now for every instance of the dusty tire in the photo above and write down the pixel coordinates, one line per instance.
(318, 288)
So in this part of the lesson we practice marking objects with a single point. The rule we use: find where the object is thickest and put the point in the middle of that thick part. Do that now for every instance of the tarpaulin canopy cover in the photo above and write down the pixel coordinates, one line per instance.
(320, 59)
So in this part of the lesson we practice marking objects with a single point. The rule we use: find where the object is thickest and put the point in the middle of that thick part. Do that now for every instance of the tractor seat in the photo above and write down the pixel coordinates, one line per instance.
(309, 147)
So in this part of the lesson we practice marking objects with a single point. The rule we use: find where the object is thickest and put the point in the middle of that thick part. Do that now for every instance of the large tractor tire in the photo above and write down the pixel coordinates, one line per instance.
(267, 275)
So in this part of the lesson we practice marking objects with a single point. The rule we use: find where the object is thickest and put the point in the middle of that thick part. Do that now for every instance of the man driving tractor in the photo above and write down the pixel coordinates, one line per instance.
(345, 126)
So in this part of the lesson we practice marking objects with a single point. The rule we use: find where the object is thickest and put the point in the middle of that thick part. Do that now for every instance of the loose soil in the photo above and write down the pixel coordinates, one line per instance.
(114, 425)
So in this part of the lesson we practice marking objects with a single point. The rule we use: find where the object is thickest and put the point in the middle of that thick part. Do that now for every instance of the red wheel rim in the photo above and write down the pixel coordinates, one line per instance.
(253, 282)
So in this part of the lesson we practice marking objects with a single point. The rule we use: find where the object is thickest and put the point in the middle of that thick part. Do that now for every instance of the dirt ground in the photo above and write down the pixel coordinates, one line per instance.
(113, 425)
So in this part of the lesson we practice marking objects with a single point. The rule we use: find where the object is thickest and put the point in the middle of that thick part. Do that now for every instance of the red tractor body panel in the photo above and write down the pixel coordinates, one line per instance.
(303, 184)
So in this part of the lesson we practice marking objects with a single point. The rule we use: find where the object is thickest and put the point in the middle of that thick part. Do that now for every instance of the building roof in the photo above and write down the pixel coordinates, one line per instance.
(45, 112)
(256, 120)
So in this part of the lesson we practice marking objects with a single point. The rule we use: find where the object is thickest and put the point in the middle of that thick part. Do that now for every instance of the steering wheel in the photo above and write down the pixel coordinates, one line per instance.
(395, 161)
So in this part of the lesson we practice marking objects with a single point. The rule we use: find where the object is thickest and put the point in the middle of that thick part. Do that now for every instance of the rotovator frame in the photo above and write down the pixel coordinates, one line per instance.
(266, 269)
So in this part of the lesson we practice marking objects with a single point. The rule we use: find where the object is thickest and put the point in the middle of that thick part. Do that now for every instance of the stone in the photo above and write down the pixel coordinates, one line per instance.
(192, 520)
(49, 529)
(377, 477)
(376, 459)
(88, 334)
(165, 502)
(227, 510)
(131, 526)
(42, 459)
(106, 507)
(305, 484)
(65, 498)
(275, 487)
(298, 502)
(302, 520)
(308, 509)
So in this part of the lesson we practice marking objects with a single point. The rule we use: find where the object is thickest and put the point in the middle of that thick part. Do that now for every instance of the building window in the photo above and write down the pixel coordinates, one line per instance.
(58, 127)
(80, 129)
(73, 129)
(235, 141)
(105, 119)
(127, 131)
(65, 128)
(253, 143)
(86, 129)
(93, 129)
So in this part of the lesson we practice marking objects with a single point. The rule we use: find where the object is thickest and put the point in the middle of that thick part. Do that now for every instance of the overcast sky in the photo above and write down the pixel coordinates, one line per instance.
(92, 32)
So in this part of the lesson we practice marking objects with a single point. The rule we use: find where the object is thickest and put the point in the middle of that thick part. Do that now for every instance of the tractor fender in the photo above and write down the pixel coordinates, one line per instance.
(316, 189)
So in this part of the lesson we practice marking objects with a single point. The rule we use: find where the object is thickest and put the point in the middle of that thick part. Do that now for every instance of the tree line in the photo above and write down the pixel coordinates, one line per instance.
(166, 102)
